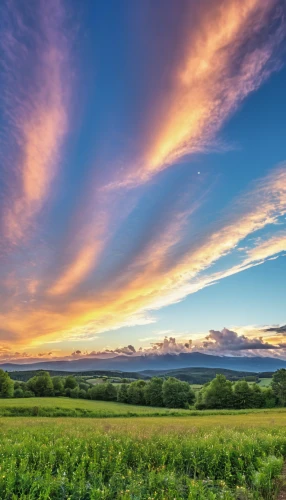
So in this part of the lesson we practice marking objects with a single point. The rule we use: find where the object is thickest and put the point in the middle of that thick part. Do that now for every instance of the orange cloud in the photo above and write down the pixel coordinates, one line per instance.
(268, 248)
(219, 66)
(77, 270)
(40, 123)
(148, 285)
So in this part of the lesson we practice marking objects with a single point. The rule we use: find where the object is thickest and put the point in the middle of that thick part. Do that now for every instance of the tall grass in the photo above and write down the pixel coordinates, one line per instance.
(61, 462)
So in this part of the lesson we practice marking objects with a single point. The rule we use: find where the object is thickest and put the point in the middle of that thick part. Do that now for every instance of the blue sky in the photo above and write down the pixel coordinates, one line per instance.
(142, 177)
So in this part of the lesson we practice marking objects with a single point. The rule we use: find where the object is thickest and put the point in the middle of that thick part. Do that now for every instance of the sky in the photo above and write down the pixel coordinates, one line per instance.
(142, 178)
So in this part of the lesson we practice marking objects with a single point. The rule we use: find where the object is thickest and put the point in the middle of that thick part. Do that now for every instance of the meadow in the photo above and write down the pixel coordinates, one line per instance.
(235, 456)
(68, 407)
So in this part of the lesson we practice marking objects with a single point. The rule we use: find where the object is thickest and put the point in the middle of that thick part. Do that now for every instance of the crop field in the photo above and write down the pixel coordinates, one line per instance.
(171, 458)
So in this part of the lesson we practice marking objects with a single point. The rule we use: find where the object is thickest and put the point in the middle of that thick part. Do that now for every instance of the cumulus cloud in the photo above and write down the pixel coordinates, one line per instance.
(228, 340)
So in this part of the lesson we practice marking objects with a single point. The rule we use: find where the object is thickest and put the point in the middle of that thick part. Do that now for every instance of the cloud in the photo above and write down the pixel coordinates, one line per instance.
(157, 278)
(109, 269)
(225, 55)
(276, 329)
(228, 340)
(76, 271)
(268, 247)
(36, 69)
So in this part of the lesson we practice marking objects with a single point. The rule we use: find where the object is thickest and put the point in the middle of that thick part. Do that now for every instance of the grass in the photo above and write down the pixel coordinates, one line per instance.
(173, 458)
(76, 407)
(265, 382)
(67, 407)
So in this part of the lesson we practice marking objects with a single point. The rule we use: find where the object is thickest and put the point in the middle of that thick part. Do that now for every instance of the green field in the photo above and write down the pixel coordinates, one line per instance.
(175, 455)
(68, 407)
(80, 407)
(265, 382)
(219, 457)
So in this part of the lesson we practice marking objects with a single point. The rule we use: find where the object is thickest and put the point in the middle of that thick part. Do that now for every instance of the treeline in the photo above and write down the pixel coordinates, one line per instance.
(220, 393)
(170, 393)
(24, 376)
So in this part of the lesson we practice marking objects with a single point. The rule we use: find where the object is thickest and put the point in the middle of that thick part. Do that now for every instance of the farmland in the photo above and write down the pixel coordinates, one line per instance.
(215, 457)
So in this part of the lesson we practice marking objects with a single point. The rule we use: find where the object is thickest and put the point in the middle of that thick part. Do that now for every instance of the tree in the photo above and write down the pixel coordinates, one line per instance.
(70, 382)
(177, 394)
(103, 392)
(279, 385)
(136, 393)
(18, 393)
(110, 392)
(242, 395)
(82, 394)
(97, 392)
(84, 386)
(41, 385)
(122, 394)
(218, 393)
(257, 397)
(58, 386)
(154, 392)
(74, 393)
(269, 399)
(6, 385)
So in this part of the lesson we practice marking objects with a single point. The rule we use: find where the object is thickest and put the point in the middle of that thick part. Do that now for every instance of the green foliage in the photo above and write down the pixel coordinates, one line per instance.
(70, 382)
(122, 393)
(74, 393)
(41, 385)
(279, 385)
(6, 385)
(218, 393)
(264, 478)
(58, 385)
(242, 395)
(154, 392)
(60, 461)
(103, 392)
(136, 393)
(269, 398)
(18, 393)
(177, 394)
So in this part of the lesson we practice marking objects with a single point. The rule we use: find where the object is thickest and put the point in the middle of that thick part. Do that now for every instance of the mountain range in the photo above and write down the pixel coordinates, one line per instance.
(155, 362)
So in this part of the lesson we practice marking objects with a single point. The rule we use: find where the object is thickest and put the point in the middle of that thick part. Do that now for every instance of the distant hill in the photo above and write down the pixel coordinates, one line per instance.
(155, 362)
(200, 375)
(27, 374)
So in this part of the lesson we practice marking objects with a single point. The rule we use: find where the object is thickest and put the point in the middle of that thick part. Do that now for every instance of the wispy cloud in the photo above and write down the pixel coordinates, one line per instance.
(100, 274)
(36, 63)
(226, 54)
(148, 286)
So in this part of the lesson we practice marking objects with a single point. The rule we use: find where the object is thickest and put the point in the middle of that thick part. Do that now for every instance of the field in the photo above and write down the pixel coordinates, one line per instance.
(68, 407)
(265, 382)
(205, 457)
(77, 407)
